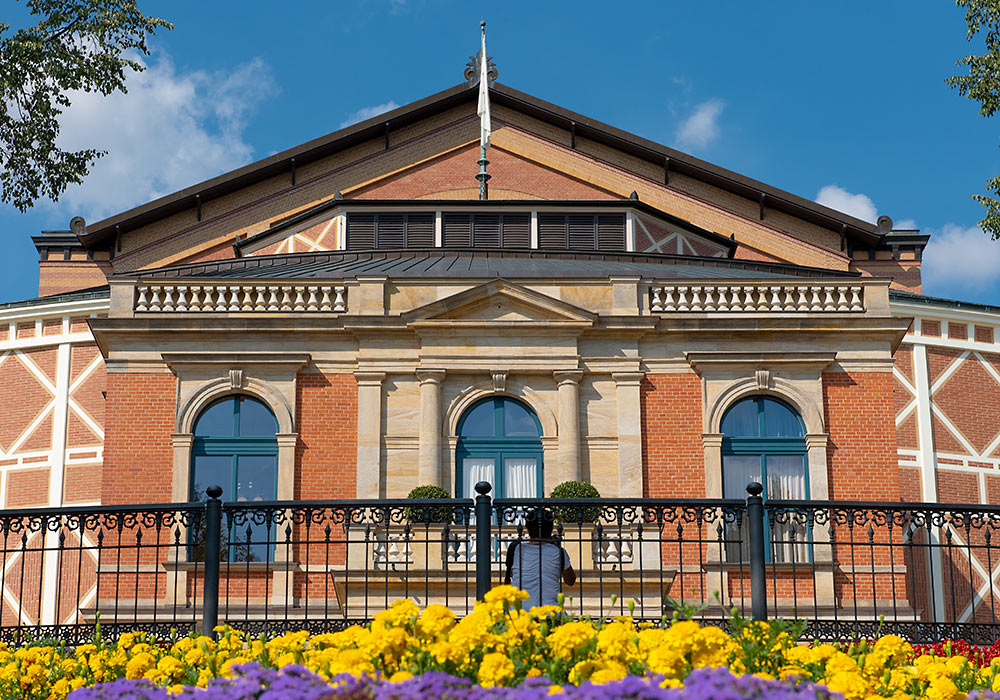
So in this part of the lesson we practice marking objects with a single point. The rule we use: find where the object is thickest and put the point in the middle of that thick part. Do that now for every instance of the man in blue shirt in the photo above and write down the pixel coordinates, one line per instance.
(539, 564)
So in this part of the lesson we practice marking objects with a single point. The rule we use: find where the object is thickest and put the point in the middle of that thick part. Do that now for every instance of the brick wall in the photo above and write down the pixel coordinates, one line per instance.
(138, 456)
(510, 177)
(859, 416)
(69, 276)
(673, 458)
(327, 419)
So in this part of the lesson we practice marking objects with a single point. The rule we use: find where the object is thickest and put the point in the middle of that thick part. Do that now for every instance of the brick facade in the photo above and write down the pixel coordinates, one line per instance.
(861, 453)
(673, 457)
(138, 455)
(327, 420)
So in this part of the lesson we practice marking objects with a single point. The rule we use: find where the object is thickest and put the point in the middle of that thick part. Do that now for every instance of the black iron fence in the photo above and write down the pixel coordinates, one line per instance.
(851, 570)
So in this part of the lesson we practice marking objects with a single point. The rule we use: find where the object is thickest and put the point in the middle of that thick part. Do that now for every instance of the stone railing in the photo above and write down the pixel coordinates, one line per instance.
(239, 298)
(783, 297)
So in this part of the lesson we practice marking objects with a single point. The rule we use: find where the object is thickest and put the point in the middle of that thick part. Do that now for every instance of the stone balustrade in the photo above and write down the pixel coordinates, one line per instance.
(239, 298)
(783, 297)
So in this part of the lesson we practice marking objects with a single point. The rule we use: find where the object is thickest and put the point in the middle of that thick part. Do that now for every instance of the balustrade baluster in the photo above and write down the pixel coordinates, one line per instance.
(339, 303)
(656, 305)
(856, 304)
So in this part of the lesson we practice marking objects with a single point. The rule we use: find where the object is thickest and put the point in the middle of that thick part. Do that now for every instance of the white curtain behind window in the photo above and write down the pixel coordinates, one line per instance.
(520, 477)
(786, 480)
(474, 470)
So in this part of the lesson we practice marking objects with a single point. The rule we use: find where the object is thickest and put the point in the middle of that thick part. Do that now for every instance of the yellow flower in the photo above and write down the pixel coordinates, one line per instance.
(138, 665)
(851, 685)
(597, 671)
(618, 641)
(566, 640)
(435, 621)
(507, 596)
(400, 676)
(495, 670)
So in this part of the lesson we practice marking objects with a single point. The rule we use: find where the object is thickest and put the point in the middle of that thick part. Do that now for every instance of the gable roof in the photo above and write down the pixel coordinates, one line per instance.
(380, 125)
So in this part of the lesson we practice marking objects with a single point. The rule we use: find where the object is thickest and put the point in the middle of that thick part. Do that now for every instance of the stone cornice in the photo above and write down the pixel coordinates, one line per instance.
(722, 361)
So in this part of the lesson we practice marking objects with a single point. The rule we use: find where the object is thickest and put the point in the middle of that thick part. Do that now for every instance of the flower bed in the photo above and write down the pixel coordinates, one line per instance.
(498, 651)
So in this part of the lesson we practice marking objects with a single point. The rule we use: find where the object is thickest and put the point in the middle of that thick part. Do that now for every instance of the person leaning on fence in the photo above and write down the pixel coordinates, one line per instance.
(539, 564)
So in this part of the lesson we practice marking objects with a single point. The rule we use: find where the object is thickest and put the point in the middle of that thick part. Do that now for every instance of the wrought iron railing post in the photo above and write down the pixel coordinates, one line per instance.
(484, 545)
(758, 582)
(213, 544)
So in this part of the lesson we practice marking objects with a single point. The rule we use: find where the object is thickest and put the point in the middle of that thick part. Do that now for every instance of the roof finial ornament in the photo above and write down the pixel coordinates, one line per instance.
(473, 69)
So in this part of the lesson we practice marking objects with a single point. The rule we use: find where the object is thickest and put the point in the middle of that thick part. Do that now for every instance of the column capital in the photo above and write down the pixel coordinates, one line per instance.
(366, 378)
(430, 376)
(563, 376)
(628, 378)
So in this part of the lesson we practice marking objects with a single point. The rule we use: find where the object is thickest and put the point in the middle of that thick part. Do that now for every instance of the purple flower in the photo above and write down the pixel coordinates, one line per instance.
(121, 690)
(252, 682)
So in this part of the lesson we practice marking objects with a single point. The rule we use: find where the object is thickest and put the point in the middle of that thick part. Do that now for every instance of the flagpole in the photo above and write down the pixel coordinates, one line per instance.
(484, 97)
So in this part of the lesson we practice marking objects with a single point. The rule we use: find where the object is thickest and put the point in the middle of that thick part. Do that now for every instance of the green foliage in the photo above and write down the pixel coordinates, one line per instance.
(763, 644)
(83, 45)
(576, 490)
(981, 84)
(428, 515)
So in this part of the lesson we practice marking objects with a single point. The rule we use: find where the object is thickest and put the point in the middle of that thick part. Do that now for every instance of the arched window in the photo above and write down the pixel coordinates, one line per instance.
(764, 440)
(235, 447)
(499, 441)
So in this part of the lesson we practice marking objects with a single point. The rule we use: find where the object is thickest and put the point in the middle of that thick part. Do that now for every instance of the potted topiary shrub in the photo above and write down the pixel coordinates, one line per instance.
(425, 514)
(576, 490)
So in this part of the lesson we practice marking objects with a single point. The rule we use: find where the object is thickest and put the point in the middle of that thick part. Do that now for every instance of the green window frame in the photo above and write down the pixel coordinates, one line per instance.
(769, 438)
(499, 445)
(251, 450)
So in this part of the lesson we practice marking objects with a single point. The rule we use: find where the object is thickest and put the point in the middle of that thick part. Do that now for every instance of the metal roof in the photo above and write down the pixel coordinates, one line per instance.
(479, 264)
(910, 297)
(103, 292)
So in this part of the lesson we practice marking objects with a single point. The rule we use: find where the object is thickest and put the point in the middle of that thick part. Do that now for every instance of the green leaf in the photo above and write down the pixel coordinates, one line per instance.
(77, 45)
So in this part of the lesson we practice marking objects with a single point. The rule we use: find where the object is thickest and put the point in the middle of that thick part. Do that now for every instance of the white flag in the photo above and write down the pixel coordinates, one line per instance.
(484, 98)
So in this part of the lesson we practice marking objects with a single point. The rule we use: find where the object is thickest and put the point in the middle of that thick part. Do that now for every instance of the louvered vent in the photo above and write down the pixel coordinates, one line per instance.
(582, 232)
(516, 231)
(611, 232)
(390, 230)
(420, 231)
(551, 231)
(457, 231)
(486, 230)
(360, 231)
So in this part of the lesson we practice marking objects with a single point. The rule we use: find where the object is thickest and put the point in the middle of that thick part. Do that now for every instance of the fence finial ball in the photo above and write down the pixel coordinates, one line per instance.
(214, 491)
(483, 488)
(754, 488)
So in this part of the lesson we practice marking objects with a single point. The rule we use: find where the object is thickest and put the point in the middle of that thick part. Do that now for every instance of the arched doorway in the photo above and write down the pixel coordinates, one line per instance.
(499, 441)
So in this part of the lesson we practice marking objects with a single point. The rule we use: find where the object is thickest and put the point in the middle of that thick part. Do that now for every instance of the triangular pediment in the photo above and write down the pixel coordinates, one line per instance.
(499, 303)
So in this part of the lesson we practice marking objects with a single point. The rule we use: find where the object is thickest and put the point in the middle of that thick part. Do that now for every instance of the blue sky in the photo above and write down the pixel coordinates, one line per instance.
(844, 102)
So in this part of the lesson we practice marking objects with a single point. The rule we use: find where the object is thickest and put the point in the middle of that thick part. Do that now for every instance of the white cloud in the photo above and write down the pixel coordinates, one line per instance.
(702, 127)
(170, 130)
(859, 205)
(961, 262)
(368, 113)
(905, 225)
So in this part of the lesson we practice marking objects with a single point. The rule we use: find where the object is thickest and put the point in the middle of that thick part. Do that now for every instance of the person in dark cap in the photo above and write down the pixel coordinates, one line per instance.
(539, 564)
